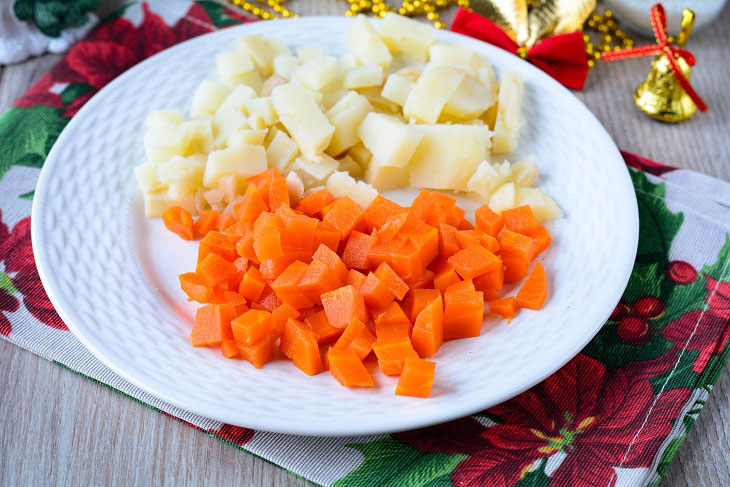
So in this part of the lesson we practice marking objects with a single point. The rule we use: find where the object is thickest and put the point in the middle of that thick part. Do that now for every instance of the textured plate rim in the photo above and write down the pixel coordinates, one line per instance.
(67, 314)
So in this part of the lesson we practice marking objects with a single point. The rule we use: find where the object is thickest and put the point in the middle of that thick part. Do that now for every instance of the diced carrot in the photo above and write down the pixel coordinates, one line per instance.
(348, 369)
(518, 245)
(272, 187)
(312, 204)
(323, 212)
(380, 252)
(520, 219)
(468, 237)
(235, 232)
(207, 221)
(236, 300)
(465, 225)
(416, 380)
(504, 307)
(446, 205)
(541, 237)
(251, 206)
(326, 333)
(179, 221)
(428, 332)
(224, 221)
(356, 337)
(343, 305)
(533, 292)
(444, 276)
(357, 249)
(327, 235)
(281, 315)
(490, 294)
(375, 292)
(229, 349)
(285, 286)
(515, 268)
(299, 343)
(252, 284)
(448, 242)
(466, 286)
(244, 247)
(216, 243)
(215, 270)
(258, 353)
(488, 221)
(392, 226)
(318, 279)
(418, 299)
(490, 280)
(267, 237)
(212, 325)
(393, 354)
(195, 287)
(455, 217)
(298, 234)
(344, 216)
(386, 274)
(271, 269)
(474, 261)
(423, 205)
(329, 257)
(251, 326)
(379, 211)
(241, 264)
(355, 279)
(463, 312)
(490, 243)
(391, 323)
(425, 239)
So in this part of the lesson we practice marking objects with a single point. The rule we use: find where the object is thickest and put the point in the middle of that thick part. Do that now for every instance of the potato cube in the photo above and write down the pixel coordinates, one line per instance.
(262, 51)
(182, 175)
(331, 97)
(295, 186)
(342, 184)
(317, 72)
(246, 160)
(396, 88)
(314, 172)
(256, 121)
(281, 151)
(147, 180)
(347, 164)
(377, 100)
(450, 55)
(360, 154)
(503, 198)
(246, 136)
(386, 178)
(348, 61)
(448, 155)
(346, 116)
(366, 44)
(407, 36)
(303, 119)
(208, 97)
(155, 204)
(304, 54)
(163, 142)
(488, 177)
(315, 95)
(270, 83)
(470, 99)
(264, 107)
(391, 142)
(285, 65)
(197, 136)
(162, 118)
(509, 114)
(363, 76)
(227, 121)
(432, 91)
(542, 205)
(237, 98)
(524, 172)
(234, 65)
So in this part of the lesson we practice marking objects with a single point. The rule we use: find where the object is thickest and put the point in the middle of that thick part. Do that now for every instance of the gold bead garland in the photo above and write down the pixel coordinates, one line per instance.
(611, 37)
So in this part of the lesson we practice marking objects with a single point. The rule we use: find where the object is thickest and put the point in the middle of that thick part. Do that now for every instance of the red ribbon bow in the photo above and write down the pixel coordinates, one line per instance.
(562, 56)
(663, 46)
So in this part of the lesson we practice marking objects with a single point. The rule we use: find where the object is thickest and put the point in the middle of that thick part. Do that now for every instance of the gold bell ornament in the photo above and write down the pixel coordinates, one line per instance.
(666, 94)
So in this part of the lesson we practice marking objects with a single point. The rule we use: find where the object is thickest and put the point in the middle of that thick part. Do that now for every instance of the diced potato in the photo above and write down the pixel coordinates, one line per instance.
(366, 44)
(342, 184)
(246, 160)
(488, 177)
(216, 198)
(314, 172)
(450, 55)
(155, 204)
(304, 54)
(262, 51)
(386, 178)
(295, 186)
(407, 36)
(503, 198)
(360, 154)
(161, 118)
(234, 65)
(285, 65)
(247, 136)
(448, 155)
(237, 99)
(377, 100)
(396, 89)
(272, 82)
(524, 172)
(347, 164)
(470, 99)
(346, 116)
(348, 61)
(163, 142)
(264, 107)
(208, 97)
(231, 186)
(509, 114)
(303, 119)
(316, 96)
(331, 97)
(256, 121)
(542, 205)
(197, 136)
(147, 180)
(411, 73)
(390, 141)
(363, 76)
(182, 175)
(318, 72)
(432, 91)
(225, 122)
(281, 151)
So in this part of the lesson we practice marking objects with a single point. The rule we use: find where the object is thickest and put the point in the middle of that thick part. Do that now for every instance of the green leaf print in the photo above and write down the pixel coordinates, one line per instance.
(535, 478)
(217, 14)
(27, 134)
(74, 91)
(27, 196)
(390, 463)
(608, 348)
(679, 377)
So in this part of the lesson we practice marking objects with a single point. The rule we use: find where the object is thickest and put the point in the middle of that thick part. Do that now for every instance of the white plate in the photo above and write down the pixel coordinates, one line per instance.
(112, 274)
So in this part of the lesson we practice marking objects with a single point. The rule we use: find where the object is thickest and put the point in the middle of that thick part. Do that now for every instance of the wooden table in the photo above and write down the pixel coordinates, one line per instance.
(61, 429)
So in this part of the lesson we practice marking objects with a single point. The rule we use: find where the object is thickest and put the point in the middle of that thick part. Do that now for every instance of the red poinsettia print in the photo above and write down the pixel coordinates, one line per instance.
(646, 165)
(233, 434)
(599, 421)
(18, 273)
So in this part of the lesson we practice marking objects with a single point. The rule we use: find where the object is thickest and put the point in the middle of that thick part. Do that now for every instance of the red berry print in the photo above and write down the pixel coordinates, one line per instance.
(681, 272)
(620, 312)
(634, 330)
(648, 307)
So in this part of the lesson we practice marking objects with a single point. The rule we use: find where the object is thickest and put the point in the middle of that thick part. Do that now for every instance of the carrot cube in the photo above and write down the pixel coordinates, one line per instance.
(212, 325)
(344, 216)
(393, 354)
(299, 343)
(285, 286)
(251, 206)
(312, 204)
(343, 305)
(207, 221)
(474, 261)
(229, 349)
(444, 276)
(216, 243)
(251, 326)
(541, 237)
(418, 299)
(356, 337)
(488, 221)
(392, 280)
(515, 268)
(504, 307)
(327, 235)
(178, 220)
(357, 249)
(280, 315)
(520, 219)
(195, 287)
(416, 380)
(355, 279)
(463, 312)
(215, 270)
(448, 241)
(517, 245)
(326, 333)
(533, 292)
(252, 284)
(490, 280)
(267, 237)
(428, 332)
(379, 211)
(317, 280)
(348, 369)
(258, 353)
(375, 292)
(329, 257)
